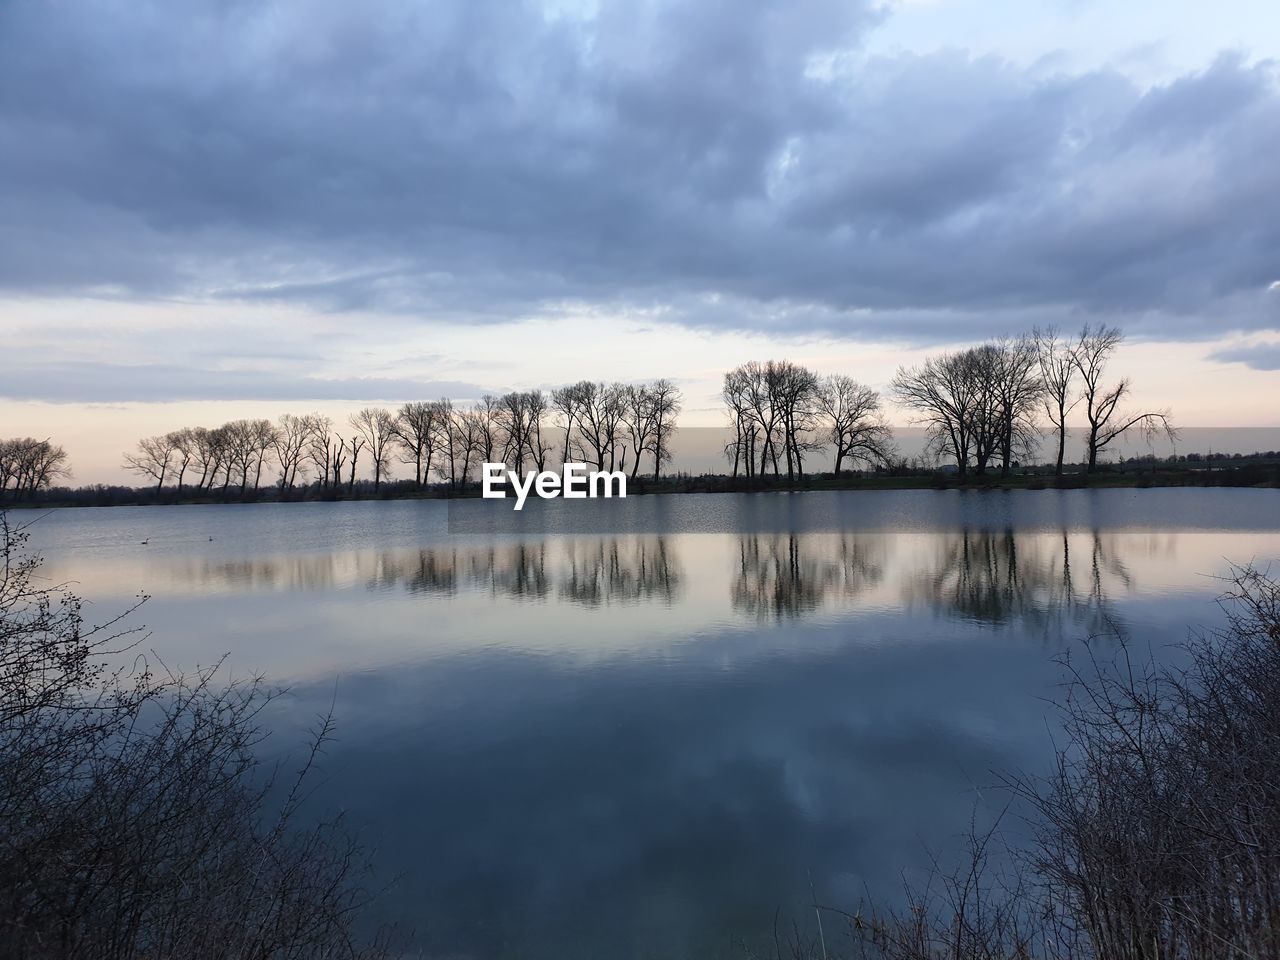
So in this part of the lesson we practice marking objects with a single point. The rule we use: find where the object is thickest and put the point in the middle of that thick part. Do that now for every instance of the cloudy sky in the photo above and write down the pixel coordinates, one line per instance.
(219, 208)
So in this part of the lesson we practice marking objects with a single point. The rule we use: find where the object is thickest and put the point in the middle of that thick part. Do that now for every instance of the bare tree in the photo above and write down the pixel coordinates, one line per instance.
(206, 455)
(945, 398)
(1106, 421)
(1057, 371)
(536, 402)
(263, 437)
(978, 405)
(794, 395)
(186, 448)
(490, 430)
(775, 409)
(323, 450)
(566, 402)
(28, 465)
(638, 422)
(9, 463)
(592, 400)
(763, 407)
(855, 424)
(247, 444)
(291, 443)
(1018, 389)
(238, 456)
(515, 418)
(665, 401)
(417, 428)
(354, 444)
(449, 440)
(736, 395)
(470, 443)
(222, 440)
(377, 426)
(152, 459)
(600, 413)
(752, 393)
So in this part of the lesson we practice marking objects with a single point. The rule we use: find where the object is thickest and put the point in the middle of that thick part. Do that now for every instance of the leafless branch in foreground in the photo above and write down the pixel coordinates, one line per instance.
(134, 816)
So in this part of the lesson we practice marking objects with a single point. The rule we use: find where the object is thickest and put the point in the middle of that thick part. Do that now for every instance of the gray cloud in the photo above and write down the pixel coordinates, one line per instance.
(1259, 356)
(490, 161)
(100, 382)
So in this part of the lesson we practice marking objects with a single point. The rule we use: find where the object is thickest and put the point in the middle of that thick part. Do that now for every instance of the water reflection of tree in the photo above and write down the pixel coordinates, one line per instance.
(1002, 577)
(787, 575)
(593, 572)
(284, 573)
(620, 570)
(515, 570)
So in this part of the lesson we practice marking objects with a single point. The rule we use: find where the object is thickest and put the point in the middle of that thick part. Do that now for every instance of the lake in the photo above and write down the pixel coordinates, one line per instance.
(644, 728)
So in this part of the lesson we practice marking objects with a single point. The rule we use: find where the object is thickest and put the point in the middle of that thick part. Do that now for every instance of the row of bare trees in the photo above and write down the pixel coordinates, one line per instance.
(28, 465)
(232, 454)
(615, 425)
(781, 411)
(982, 406)
(605, 424)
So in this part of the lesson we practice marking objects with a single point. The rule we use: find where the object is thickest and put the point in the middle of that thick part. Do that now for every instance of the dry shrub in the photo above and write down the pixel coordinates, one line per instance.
(1156, 835)
(134, 814)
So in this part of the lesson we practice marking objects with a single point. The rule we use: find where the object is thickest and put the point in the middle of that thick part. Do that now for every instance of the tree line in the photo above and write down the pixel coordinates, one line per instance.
(985, 406)
(611, 425)
(982, 406)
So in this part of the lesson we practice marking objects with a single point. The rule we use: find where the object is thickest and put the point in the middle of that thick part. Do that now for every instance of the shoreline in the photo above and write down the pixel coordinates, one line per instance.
(1263, 475)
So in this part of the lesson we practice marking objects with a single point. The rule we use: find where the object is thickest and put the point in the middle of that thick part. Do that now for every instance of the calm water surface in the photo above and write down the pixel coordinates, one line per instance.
(639, 728)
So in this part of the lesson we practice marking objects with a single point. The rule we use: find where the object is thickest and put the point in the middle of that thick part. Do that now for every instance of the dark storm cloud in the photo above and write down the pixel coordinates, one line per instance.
(734, 164)
(101, 382)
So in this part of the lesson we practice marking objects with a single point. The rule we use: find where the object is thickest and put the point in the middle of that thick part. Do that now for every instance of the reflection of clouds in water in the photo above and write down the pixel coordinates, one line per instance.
(585, 813)
(630, 744)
